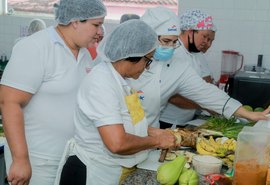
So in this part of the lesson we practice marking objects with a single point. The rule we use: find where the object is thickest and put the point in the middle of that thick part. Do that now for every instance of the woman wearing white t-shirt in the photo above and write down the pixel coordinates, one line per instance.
(39, 88)
(111, 132)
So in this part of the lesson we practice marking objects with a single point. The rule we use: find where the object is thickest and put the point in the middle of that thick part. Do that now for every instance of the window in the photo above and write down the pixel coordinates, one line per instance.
(38, 6)
(114, 7)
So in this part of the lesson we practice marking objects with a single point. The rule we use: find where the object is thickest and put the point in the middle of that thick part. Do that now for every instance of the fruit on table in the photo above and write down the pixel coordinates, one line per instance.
(248, 107)
(169, 172)
(259, 109)
(189, 177)
(224, 148)
(170, 156)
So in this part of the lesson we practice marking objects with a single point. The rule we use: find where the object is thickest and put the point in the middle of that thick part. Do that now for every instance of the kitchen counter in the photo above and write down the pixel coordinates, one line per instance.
(142, 176)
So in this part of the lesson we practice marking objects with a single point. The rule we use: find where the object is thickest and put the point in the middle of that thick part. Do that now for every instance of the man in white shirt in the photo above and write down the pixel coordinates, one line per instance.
(197, 35)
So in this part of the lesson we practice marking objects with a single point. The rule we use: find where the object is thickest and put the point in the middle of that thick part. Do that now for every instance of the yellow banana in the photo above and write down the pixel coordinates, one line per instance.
(232, 145)
(221, 151)
(231, 157)
(227, 162)
(207, 146)
(227, 143)
(214, 143)
(201, 150)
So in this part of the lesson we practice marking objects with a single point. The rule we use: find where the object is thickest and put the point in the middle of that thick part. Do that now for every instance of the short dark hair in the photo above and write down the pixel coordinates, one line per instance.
(134, 59)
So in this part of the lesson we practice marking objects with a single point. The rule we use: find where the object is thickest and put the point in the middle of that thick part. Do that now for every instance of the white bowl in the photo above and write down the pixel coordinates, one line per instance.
(206, 164)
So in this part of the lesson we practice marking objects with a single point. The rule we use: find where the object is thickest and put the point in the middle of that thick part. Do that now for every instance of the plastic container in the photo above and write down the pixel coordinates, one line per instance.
(252, 156)
(206, 164)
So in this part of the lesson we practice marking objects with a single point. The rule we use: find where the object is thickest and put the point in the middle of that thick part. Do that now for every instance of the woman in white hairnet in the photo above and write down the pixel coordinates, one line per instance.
(111, 132)
(197, 34)
(171, 73)
(38, 91)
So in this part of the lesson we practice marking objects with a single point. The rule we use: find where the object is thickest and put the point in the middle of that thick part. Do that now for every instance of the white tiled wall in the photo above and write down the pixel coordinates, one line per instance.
(243, 26)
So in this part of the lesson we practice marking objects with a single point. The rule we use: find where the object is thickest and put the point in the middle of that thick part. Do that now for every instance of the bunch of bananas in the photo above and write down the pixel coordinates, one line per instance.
(222, 147)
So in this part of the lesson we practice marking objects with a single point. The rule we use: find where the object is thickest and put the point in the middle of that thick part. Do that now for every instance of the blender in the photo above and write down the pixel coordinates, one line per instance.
(232, 61)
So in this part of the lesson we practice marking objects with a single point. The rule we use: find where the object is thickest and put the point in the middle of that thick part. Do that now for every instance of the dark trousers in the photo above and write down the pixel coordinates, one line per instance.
(164, 125)
(74, 172)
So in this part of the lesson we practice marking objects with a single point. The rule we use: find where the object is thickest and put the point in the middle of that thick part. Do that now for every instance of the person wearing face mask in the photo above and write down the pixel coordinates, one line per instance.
(197, 34)
(111, 133)
(166, 78)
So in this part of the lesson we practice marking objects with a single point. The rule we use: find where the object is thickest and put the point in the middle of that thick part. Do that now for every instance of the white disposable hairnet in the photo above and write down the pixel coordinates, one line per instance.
(196, 20)
(126, 17)
(132, 38)
(72, 10)
(103, 29)
(163, 20)
(36, 25)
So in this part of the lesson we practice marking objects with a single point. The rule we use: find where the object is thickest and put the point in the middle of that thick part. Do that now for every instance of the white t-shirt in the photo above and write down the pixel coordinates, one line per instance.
(101, 101)
(180, 78)
(176, 115)
(42, 65)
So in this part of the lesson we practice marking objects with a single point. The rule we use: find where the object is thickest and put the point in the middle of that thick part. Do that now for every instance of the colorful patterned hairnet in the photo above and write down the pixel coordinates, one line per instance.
(196, 20)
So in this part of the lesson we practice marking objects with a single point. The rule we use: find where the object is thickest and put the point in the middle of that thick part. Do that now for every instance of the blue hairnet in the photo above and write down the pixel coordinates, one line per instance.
(133, 38)
(72, 10)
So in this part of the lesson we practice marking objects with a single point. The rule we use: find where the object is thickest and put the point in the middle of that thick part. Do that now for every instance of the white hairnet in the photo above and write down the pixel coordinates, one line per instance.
(133, 38)
(163, 20)
(126, 17)
(196, 20)
(103, 29)
(72, 10)
(36, 25)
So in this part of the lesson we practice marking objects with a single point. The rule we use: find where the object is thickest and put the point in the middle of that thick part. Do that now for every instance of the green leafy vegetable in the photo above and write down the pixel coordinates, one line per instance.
(229, 127)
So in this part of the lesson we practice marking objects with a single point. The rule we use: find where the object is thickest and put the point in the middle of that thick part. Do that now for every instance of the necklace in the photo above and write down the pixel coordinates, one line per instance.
(76, 49)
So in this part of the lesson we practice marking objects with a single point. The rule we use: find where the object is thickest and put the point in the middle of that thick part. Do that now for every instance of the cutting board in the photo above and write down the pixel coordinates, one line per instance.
(151, 163)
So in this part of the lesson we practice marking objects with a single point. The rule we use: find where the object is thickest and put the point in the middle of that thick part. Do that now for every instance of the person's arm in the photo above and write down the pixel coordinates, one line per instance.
(186, 103)
(209, 79)
(252, 116)
(183, 102)
(11, 103)
(118, 141)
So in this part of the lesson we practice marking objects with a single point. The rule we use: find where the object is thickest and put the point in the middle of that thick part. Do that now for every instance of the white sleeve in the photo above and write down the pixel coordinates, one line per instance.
(25, 68)
(99, 100)
(205, 70)
(205, 94)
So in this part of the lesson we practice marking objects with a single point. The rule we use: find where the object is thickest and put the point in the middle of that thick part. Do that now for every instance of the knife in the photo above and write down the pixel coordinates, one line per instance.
(163, 155)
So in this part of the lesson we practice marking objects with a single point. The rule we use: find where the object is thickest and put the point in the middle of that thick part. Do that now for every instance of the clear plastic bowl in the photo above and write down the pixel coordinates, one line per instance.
(206, 164)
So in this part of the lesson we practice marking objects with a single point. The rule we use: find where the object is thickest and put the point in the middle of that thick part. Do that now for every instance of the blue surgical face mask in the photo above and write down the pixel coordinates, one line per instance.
(163, 53)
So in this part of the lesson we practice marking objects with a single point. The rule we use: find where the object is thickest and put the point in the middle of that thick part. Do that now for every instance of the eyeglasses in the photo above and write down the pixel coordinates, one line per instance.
(148, 62)
(177, 44)
(174, 43)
